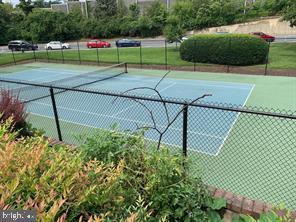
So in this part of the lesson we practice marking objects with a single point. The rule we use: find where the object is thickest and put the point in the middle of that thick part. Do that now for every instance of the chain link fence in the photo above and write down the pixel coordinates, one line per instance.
(157, 54)
(250, 151)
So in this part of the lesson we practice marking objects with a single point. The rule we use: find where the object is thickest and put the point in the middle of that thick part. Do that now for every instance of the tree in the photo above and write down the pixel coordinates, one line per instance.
(173, 30)
(26, 6)
(185, 13)
(134, 11)
(39, 4)
(154, 18)
(290, 13)
(122, 10)
(105, 9)
(37, 24)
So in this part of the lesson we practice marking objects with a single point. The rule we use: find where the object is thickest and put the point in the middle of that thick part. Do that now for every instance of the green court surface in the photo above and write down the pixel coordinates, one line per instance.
(258, 158)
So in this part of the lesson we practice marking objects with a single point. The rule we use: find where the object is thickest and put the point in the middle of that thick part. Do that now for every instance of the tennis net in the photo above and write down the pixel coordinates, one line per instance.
(32, 93)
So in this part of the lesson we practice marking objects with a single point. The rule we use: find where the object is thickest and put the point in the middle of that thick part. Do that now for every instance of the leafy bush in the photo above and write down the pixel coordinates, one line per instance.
(54, 180)
(227, 49)
(11, 106)
(154, 179)
(279, 214)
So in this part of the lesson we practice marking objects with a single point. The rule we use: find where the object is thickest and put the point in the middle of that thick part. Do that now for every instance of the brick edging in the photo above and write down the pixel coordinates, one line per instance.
(235, 203)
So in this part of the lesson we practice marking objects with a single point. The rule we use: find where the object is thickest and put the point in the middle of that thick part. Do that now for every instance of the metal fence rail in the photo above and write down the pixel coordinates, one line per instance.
(249, 151)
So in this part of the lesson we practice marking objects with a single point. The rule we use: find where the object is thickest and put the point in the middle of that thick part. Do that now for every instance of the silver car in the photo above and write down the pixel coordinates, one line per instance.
(56, 45)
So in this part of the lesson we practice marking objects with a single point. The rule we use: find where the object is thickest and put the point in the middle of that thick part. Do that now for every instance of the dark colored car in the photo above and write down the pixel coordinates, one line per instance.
(21, 45)
(96, 43)
(264, 36)
(127, 43)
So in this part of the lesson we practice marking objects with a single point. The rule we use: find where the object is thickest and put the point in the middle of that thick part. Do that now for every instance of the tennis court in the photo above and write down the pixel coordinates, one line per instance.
(128, 114)
(248, 154)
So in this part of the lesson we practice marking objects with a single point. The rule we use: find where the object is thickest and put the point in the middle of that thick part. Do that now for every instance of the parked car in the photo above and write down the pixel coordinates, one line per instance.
(180, 40)
(127, 43)
(57, 45)
(264, 36)
(97, 43)
(21, 45)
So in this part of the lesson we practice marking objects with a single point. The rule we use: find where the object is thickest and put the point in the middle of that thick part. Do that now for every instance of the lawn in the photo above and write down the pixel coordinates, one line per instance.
(282, 56)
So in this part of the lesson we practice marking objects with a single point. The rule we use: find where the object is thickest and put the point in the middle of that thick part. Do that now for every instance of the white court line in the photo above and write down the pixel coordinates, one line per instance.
(57, 71)
(215, 85)
(233, 123)
(126, 119)
(123, 110)
(95, 127)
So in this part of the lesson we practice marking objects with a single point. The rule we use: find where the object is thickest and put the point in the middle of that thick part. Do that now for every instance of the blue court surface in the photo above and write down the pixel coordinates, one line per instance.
(208, 129)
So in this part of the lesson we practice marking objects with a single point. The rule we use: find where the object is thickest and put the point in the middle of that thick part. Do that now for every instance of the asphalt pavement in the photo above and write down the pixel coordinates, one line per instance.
(158, 42)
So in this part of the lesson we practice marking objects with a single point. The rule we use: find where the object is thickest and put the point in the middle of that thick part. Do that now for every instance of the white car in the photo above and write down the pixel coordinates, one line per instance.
(57, 45)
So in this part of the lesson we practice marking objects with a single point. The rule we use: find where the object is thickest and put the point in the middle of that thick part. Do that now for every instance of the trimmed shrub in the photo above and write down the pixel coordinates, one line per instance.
(225, 49)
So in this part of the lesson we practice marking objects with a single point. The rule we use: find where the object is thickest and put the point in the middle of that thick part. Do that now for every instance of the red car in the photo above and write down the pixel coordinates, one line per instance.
(267, 38)
(96, 43)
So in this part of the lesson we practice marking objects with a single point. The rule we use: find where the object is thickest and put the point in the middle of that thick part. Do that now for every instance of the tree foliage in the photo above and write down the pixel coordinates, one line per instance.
(26, 6)
(104, 9)
(290, 13)
(112, 18)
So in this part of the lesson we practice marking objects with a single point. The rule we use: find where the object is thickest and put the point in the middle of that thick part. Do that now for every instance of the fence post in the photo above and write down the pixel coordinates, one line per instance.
(195, 55)
(13, 57)
(125, 68)
(62, 51)
(267, 59)
(33, 48)
(141, 60)
(47, 54)
(118, 60)
(185, 126)
(166, 54)
(78, 49)
(56, 117)
(98, 58)
(229, 45)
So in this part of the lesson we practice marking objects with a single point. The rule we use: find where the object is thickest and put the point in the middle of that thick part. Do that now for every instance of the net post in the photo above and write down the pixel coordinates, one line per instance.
(13, 56)
(56, 117)
(125, 67)
(185, 128)
(267, 59)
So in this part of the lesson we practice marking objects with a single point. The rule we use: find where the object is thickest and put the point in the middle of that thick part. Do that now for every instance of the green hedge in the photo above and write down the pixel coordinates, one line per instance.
(227, 49)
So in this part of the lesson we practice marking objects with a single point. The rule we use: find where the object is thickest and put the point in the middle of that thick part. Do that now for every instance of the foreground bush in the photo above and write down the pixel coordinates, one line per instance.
(126, 183)
(54, 181)
(156, 180)
(226, 49)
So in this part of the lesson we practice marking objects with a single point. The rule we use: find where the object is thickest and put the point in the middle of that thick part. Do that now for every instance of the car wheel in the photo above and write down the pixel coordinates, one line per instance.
(64, 47)
(49, 48)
